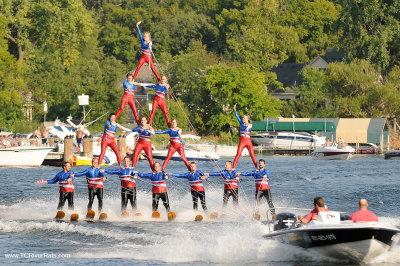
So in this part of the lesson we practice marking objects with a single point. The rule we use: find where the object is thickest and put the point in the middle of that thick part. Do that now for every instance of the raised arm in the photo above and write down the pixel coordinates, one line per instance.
(238, 118)
(148, 85)
(140, 34)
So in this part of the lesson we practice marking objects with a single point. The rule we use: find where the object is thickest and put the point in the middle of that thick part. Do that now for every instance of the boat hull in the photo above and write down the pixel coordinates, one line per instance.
(287, 140)
(23, 156)
(342, 243)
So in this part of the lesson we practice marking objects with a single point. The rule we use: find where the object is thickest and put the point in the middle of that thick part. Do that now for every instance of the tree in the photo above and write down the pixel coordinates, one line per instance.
(237, 84)
(12, 84)
(313, 22)
(370, 29)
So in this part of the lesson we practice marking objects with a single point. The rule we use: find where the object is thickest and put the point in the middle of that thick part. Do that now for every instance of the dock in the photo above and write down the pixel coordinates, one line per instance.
(284, 150)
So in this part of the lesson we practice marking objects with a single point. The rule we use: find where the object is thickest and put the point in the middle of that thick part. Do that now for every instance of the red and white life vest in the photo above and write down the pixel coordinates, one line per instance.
(230, 184)
(196, 185)
(127, 181)
(159, 186)
(175, 139)
(95, 182)
(129, 91)
(110, 133)
(262, 184)
(66, 186)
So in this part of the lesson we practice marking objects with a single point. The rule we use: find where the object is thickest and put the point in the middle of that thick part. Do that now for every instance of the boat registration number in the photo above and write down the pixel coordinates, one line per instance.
(323, 237)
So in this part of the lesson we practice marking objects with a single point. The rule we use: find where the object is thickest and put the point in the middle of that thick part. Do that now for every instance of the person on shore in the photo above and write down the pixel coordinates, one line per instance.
(94, 179)
(129, 97)
(37, 133)
(158, 178)
(144, 142)
(197, 190)
(363, 215)
(64, 179)
(175, 144)
(230, 178)
(319, 206)
(147, 46)
(110, 129)
(159, 99)
(79, 135)
(128, 184)
(45, 135)
(261, 178)
(245, 141)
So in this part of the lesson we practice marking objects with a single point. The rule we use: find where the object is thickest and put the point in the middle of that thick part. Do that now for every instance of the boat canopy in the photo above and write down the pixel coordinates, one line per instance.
(294, 126)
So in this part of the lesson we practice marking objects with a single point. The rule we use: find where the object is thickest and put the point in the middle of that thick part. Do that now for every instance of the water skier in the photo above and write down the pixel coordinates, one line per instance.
(144, 142)
(128, 184)
(261, 178)
(175, 144)
(147, 46)
(64, 179)
(197, 190)
(245, 140)
(110, 129)
(94, 178)
(230, 178)
(129, 96)
(158, 178)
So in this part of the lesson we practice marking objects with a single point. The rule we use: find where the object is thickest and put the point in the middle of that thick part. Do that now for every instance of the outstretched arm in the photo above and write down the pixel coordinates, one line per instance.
(142, 175)
(123, 128)
(163, 132)
(81, 173)
(180, 175)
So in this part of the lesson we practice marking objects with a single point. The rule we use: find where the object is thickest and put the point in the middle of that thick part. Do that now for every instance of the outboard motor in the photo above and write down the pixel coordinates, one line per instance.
(344, 217)
(285, 220)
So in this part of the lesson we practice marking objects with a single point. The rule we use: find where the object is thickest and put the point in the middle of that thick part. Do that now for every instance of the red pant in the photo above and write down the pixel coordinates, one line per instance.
(109, 141)
(149, 60)
(128, 99)
(146, 146)
(159, 101)
(245, 143)
(175, 147)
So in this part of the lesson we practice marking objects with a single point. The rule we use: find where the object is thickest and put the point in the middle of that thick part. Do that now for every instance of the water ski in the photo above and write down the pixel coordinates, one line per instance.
(125, 214)
(171, 216)
(60, 216)
(90, 215)
(257, 216)
(198, 218)
(103, 216)
(74, 217)
(214, 215)
(155, 215)
(138, 214)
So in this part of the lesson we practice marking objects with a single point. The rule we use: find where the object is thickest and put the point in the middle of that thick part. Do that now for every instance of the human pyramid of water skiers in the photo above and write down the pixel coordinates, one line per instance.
(127, 172)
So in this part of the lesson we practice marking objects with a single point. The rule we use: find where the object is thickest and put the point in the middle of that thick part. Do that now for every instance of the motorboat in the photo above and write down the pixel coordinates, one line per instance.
(334, 152)
(287, 140)
(334, 237)
(392, 154)
(13, 155)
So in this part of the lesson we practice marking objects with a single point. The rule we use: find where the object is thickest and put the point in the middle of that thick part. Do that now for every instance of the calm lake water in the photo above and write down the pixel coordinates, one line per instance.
(29, 234)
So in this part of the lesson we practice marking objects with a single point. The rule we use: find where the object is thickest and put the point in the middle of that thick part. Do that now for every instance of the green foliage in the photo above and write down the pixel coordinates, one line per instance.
(312, 21)
(370, 29)
(237, 84)
(12, 85)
